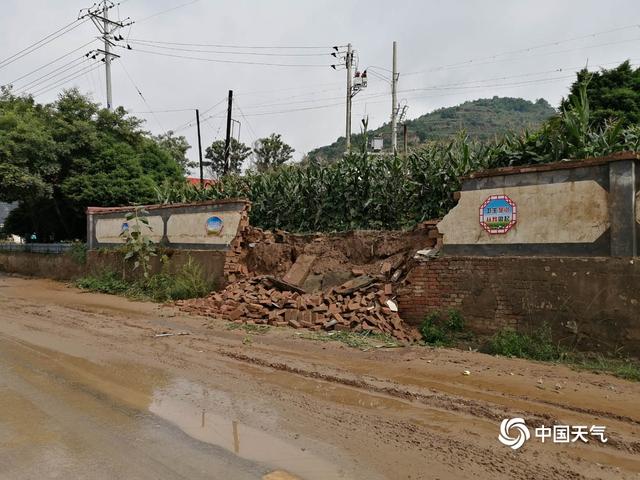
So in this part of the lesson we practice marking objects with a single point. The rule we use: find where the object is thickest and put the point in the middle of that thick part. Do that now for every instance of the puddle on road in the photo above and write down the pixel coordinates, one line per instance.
(224, 431)
(128, 387)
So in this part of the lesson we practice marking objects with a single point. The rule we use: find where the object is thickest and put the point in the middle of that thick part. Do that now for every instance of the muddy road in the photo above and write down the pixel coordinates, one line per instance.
(88, 391)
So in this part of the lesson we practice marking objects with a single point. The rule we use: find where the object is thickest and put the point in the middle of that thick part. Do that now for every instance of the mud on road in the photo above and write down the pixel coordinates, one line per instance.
(88, 391)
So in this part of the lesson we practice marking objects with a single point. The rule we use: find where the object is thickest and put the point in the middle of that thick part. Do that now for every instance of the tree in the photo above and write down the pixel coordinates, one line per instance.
(57, 159)
(177, 146)
(28, 150)
(613, 94)
(271, 152)
(238, 153)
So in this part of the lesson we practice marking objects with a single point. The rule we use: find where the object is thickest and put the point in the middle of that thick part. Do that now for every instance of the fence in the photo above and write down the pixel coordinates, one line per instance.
(53, 248)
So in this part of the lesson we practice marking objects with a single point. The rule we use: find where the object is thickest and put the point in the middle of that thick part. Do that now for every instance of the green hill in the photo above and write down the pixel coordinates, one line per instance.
(482, 119)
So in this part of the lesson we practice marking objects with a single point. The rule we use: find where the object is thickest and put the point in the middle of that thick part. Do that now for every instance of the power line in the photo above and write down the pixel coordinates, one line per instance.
(366, 99)
(63, 80)
(447, 86)
(494, 59)
(218, 52)
(50, 63)
(182, 126)
(141, 95)
(174, 110)
(70, 73)
(237, 62)
(253, 132)
(41, 43)
(166, 11)
(94, 66)
(51, 74)
(246, 47)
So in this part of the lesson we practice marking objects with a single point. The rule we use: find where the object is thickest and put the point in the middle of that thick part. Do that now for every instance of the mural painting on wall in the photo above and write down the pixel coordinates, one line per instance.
(214, 226)
(498, 214)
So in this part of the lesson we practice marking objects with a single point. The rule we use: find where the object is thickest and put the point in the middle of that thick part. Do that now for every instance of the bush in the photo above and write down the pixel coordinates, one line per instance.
(189, 282)
(78, 252)
(439, 332)
(104, 282)
(537, 345)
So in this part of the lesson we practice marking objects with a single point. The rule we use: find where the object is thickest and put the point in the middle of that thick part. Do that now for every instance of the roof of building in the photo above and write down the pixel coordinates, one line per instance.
(196, 181)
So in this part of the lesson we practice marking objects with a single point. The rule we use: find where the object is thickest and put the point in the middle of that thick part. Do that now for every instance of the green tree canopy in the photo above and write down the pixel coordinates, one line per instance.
(238, 153)
(270, 152)
(177, 146)
(613, 93)
(60, 158)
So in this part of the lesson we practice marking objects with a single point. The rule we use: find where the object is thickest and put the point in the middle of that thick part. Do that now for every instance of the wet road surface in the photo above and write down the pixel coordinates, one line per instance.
(55, 424)
(87, 390)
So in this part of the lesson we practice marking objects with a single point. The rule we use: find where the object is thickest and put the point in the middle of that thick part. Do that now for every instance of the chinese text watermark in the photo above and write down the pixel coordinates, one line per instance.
(514, 432)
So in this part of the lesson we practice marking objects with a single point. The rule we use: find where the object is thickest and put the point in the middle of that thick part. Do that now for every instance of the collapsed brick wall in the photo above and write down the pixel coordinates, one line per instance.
(591, 303)
(235, 265)
(263, 252)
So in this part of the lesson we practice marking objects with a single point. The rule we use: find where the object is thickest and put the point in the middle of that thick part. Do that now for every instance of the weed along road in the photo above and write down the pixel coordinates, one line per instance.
(89, 390)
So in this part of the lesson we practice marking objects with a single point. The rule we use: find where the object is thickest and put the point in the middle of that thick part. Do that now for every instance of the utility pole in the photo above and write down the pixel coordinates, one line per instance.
(349, 63)
(227, 143)
(394, 102)
(107, 28)
(107, 54)
(200, 148)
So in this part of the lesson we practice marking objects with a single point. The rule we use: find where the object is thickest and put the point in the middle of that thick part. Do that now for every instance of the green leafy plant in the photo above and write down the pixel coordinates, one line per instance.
(439, 331)
(104, 282)
(539, 345)
(188, 282)
(138, 246)
(536, 345)
(78, 252)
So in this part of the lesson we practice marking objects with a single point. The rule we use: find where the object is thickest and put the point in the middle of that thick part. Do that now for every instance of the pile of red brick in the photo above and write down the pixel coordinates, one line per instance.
(362, 304)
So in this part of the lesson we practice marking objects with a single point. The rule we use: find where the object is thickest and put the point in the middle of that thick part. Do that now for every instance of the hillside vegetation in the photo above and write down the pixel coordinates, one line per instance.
(483, 119)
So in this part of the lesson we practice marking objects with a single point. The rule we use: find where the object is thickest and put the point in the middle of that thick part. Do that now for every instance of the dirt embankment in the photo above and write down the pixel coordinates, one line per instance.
(407, 413)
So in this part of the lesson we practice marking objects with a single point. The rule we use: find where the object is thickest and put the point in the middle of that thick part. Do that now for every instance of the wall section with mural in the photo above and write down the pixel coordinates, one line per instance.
(199, 226)
(585, 207)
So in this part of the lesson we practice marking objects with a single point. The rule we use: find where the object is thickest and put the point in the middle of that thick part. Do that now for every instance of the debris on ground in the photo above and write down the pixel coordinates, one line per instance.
(329, 282)
(169, 334)
(358, 305)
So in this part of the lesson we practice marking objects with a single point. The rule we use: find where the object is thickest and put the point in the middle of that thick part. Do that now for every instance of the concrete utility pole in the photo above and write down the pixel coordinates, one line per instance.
(200, 148)
(227, 143)
(99, 15)
(394, 102)
(349, 63)
(107, 53)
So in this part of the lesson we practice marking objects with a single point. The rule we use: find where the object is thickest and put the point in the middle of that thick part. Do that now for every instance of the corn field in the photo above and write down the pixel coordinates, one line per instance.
(362, 191)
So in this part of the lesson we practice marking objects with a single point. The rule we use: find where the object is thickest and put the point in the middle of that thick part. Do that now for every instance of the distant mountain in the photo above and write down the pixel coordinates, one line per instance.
(482, 119)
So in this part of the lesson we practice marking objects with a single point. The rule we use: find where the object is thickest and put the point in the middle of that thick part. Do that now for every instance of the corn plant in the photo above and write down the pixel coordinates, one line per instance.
(362, 191)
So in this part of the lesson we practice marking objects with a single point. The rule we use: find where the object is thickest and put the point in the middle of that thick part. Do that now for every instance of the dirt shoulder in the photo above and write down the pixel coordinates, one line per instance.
(384, 413)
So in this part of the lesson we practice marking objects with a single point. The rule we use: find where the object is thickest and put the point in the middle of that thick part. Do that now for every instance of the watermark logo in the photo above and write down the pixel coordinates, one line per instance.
(514, 432)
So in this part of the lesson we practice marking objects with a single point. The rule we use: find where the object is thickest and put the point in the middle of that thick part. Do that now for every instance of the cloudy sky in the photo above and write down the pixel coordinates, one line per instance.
(188, 54)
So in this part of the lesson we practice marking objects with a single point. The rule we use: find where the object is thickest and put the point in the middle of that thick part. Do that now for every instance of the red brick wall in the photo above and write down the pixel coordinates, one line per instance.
(589, 302)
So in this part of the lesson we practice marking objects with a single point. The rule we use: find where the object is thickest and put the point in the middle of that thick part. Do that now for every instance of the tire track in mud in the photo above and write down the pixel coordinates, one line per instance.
(447, 402)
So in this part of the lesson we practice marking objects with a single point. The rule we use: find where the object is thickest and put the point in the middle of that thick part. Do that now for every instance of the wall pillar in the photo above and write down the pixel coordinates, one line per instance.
(622, 182)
